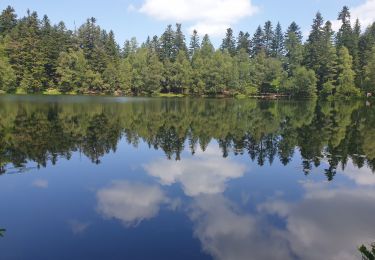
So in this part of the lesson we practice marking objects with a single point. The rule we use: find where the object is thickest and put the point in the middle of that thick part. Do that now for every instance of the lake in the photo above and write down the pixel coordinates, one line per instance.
(140, 178)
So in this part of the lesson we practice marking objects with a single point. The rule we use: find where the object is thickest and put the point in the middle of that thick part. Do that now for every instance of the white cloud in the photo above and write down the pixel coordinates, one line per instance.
(363, 176)
(364, 12)
(41, 184)
(228, 234)
(206, 173)
(130, 202)
(329, 223)
(207, 16)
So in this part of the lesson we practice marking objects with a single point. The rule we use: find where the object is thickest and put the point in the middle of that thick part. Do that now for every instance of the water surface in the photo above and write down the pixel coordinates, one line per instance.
(136, 178)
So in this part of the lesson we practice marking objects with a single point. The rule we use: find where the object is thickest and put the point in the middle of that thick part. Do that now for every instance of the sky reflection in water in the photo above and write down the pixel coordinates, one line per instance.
(89, 178)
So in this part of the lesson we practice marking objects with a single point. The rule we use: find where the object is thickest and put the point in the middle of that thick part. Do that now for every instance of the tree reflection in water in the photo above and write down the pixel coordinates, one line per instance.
(333, 132)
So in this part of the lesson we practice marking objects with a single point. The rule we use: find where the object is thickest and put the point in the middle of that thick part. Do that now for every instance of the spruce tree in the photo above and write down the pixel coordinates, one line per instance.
(314, 49)
(268, 37)
(344, 36)
(194, 44)
(294, 51)
(8, 20)
(355, 51)
(229, 43)
(180, 44)
(277, 46)
(329, 61)
(130, 47)
(167, 44)
(294, 28)
(207, 49)
(257, 42)
(244, 42)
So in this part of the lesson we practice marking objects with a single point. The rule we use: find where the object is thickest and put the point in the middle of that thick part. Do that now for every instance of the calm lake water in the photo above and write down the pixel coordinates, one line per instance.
(137, 178)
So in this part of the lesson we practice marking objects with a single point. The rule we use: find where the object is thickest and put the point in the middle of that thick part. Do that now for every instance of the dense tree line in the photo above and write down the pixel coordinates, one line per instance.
(332, 132)
(37, 56)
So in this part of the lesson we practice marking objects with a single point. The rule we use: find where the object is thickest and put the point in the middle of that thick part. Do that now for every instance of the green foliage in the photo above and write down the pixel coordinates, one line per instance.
(37, 56)
(345, 80)
(302, 83)
(369, 73)
(367, 254)
(7, 75)
(72, 70)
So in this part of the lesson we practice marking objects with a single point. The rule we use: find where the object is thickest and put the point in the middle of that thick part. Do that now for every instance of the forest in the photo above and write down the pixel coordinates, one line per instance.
(39, 57)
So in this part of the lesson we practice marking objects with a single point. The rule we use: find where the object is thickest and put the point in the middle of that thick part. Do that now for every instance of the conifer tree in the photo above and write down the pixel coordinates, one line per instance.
(329, 61)
(314, 49)
(8, 20)
(244, 42)
(268, 37)
(194, 44)
(277, 45)
(294, 28)
(229, 43)
(167, 44)
(130, 47)
(345, 79)
(344, 36)
(257, 42)
(369, 73)
(7, 75)
(207, 49)
(180, 44)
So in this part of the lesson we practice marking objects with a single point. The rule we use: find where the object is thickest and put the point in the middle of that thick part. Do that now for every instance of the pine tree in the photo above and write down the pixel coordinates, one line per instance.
(155, 46)
(329, 61)
(153, 74)
(294, 51)
(294, 28)
(244, 42)
(180, 44)
(26, 54)
(207, 49)
(257, 42)
(8, 20)
(130, 47)
(355, 51)
(167, 44)
(229, 43)
(314, 49)
(268, 37)
(277, 46)
(366, 42)
(194, 44)
(92, 40)
(111, 47)
(344, 36)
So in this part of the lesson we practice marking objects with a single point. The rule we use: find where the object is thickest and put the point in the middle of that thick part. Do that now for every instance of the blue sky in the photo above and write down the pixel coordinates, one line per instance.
(140, 18)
